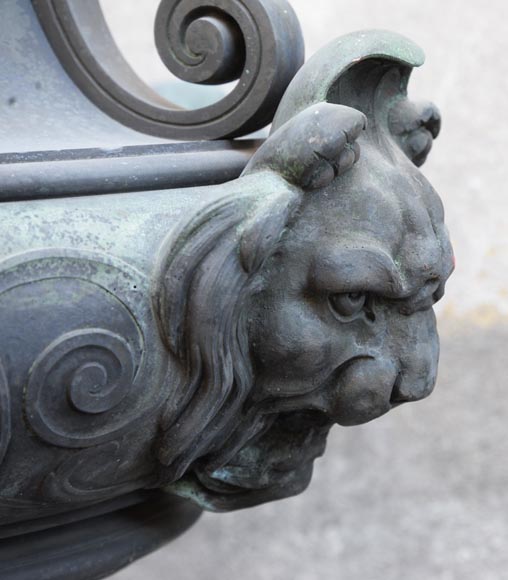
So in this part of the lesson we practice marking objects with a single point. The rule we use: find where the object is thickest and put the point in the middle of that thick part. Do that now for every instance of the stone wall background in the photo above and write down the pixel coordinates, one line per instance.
(421, 493)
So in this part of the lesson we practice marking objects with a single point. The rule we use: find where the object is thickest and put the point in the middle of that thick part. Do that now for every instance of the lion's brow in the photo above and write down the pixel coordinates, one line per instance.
(357, 270)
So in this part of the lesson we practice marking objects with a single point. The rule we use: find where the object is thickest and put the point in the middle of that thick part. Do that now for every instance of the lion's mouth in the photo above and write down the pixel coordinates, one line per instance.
(277, 462)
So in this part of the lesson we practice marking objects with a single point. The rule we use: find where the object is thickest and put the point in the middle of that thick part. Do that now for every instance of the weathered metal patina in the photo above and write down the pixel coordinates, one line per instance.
(192, 332)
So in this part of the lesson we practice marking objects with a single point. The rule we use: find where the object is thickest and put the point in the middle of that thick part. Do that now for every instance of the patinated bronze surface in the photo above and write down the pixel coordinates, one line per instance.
(202, 341)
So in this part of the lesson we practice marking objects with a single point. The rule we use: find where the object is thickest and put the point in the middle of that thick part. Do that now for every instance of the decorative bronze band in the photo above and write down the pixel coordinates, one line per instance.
(48, 174)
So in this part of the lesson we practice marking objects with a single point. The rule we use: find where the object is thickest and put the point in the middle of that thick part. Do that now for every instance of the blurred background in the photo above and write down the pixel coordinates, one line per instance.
(420, 493)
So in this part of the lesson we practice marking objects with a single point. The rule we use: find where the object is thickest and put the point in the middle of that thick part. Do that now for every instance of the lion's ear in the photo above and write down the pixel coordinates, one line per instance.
(312, 148)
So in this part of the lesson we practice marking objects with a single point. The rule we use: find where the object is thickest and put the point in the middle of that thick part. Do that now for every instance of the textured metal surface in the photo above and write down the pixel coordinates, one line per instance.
(46, 174)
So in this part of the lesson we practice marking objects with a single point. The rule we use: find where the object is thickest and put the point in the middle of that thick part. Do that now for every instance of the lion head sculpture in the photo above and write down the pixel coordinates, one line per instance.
(302, 296)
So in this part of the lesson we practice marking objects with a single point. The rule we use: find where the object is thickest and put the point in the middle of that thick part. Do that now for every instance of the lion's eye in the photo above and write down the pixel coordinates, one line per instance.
(347, 305)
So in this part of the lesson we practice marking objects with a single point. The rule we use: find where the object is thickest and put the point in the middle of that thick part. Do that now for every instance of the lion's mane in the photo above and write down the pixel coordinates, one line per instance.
(205, 280)
(210, 269)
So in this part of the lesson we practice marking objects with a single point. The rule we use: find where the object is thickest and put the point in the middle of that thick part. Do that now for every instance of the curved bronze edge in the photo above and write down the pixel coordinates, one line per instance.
(5, 414)
(66, 515)
(317, 81)
(370, 72)
(98, 544)
(259, 42)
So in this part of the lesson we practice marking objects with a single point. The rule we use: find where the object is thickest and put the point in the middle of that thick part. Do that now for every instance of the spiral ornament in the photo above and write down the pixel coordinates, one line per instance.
(95, 365)
(258, 42)
(200, 47)
(89, 371)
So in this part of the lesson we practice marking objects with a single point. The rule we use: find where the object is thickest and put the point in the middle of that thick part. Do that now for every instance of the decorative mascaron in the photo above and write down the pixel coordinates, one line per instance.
(200, 337)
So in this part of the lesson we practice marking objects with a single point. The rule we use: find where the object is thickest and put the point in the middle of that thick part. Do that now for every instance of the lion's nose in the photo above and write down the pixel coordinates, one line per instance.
(403, 392)
(411, 393)
(364, 391)
(416, 381)
(370, 387)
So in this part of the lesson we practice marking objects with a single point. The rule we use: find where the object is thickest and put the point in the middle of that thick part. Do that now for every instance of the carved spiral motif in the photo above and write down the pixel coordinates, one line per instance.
(258, 42)
(94, 366)
(200, 45)
(75, 478)
(90, 370)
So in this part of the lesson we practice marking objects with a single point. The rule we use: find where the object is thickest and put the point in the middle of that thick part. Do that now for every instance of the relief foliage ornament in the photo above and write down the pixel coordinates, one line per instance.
(299, 297)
